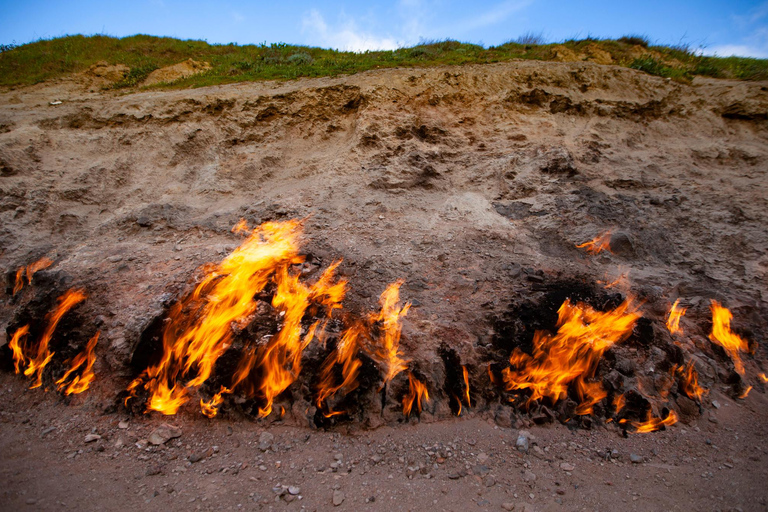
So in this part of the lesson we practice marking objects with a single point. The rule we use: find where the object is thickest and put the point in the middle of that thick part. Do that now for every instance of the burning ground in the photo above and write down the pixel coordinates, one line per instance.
(571, 249)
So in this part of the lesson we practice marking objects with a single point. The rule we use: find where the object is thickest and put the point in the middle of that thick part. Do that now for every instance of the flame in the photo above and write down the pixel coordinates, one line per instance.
(30, 270)
(675, 314)
(387, 351)
(417, 391)
(66, 302)
(17, 348)
(745, 393)
(598, 244)
(690, 382)
(466, 385)
(200, 326)
(764, 377)
(81, 382)
(571, 354)
(211, 408)
(344, 354)
(619, 402)
(723, 336)
(652, 424)
(458, 413)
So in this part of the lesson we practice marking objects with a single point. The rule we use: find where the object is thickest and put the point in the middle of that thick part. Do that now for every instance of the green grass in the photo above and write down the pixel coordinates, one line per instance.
(45, 59)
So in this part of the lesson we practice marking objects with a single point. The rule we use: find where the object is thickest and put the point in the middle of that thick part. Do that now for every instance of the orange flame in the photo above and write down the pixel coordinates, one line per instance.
(387, 351)
(30, 270)
(66, 302)
(690, 382)
(598, 244)
(652, 424)
(458, 413)
(619, 402)
(81, 382)
(211, 408)
(723, 336)
(764, 377)
(745, 393)
(675, 314)
(571, 354)
(417, 391)
(344, 354)
(466, 385)
(17, 348)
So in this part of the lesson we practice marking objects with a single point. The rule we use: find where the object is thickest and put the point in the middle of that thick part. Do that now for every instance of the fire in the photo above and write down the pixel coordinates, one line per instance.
(387, 351)
(744, 394)
(19, 360)
(345, 354)
(81, 382)
(723, 336)
(764, 377)
(29, 270)
(37, 364)
(619, 402)
(652, 424)
(675, 314)
(598, 244)
(417, 391)
(571, 354)
(466, 385)
(690, 382)
(199, 330)
(211, 408)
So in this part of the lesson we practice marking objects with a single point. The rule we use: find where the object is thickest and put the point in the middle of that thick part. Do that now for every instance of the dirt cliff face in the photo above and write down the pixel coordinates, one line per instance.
(474, 184)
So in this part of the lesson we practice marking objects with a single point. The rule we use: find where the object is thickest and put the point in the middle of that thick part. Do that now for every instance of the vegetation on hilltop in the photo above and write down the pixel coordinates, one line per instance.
(45, 59)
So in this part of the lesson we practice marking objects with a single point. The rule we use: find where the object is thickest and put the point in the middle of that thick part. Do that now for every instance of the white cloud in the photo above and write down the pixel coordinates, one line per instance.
(345, 35)
(739, 50)
(497, 14)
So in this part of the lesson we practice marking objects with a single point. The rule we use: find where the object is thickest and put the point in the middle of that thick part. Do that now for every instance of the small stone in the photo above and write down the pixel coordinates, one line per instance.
(114, 259)
(482, 458)
(566, 466)
(119, 443)
(635, 459)
(715, 404)
(338, 498)
(163, 434)
(47, 431)
(92, 437)
(31, 501)
(122, 425)
(529, 476)
(376, 459)
(265, 441)
(522, 441)
(154, 469)
(294, 490)
(410, 471)
(489, 481)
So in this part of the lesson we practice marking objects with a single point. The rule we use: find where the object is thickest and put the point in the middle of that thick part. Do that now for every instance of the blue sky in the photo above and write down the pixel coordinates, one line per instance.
(737, 27)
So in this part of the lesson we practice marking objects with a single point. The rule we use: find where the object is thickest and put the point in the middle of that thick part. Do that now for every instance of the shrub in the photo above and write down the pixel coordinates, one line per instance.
(300, 58)
(635, 39)
(531, 38)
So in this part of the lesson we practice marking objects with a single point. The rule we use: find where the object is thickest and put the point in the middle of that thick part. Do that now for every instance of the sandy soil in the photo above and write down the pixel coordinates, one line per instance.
(474, 184)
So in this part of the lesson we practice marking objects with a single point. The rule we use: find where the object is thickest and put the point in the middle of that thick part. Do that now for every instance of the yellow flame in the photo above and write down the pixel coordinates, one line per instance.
(387, 351)
(211, 408)
(417, 391)
(723, 336)
(29, 270)
(675, 314)
(571, 354)
(36, 366)
(344, 354)
(17, 348)
(653, 423)
(466, 385)
(81, 382)
(598, 244)
(690, 382)
(743, 395)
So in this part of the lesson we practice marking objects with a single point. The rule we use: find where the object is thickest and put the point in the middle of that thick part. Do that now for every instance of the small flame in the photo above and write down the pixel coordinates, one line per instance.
(466, 385)
(17, 348)
(598, 244)
(387, 351)
(29, 270)
(745, 393)
(417, 391)
(36, 366)
(571, 354)
(652, 424)
(764, 377)
(690, 382)
(619, 402)
(344, 354)
(211, 408)
(723, 336)
(675, 314)
(458, 413)
(81, 382)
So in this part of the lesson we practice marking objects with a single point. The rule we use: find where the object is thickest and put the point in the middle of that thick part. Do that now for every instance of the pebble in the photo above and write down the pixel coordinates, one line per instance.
(338, 498)
(635, 459)
(294, 490)
(566, 466)
(92, 437)
(122, 425)
(163, 434)
(265, 441)
(482, 458)
(522, 441)
(529, 476)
